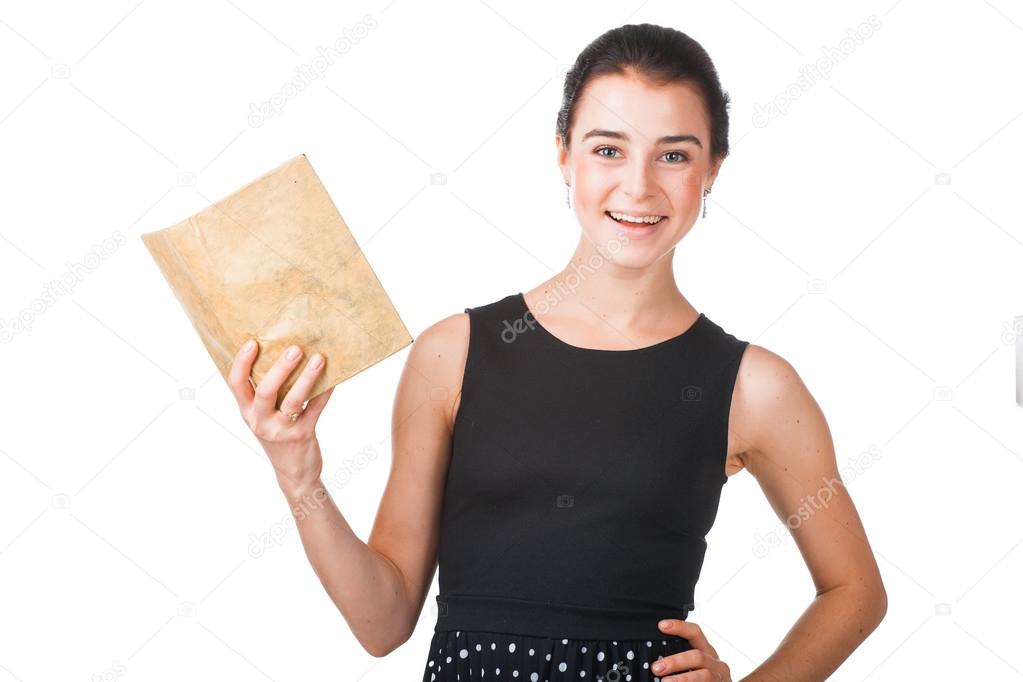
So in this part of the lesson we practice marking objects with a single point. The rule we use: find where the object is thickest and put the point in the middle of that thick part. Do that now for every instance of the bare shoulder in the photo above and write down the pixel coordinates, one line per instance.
(769, 400)
(438, 356)
(447, 334)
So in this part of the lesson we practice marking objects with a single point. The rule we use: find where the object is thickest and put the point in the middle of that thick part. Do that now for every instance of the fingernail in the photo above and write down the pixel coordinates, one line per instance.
(315, 362)
(664, 623)
(293, 352)
(249, 345)
(658, 667)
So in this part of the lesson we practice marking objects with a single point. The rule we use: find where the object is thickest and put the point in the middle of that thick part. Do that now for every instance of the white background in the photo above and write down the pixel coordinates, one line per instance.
(128, 509)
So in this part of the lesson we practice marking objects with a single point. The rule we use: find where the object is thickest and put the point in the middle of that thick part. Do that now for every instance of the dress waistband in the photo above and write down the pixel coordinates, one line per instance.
(549, 619)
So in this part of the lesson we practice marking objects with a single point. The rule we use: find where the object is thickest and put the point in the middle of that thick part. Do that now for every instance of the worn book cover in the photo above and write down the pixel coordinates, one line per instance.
(276, 262)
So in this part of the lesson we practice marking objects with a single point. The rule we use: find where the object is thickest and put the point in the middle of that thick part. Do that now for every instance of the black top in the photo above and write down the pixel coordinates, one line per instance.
(582, 481)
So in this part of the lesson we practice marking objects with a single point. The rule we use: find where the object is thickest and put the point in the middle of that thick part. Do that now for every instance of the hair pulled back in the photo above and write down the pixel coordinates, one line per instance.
(659, 54)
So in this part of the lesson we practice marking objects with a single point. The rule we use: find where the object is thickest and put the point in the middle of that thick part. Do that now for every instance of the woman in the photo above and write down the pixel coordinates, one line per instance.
(562, 452)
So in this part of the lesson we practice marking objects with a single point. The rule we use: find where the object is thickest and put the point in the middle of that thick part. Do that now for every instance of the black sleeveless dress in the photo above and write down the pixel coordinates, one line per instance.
(581, 486)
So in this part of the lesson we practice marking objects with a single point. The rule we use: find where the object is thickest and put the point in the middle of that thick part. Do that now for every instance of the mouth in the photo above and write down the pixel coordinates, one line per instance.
(634, 220)
(636, 226)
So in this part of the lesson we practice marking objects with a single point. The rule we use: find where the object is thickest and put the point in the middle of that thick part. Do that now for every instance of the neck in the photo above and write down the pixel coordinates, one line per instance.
(627, 297)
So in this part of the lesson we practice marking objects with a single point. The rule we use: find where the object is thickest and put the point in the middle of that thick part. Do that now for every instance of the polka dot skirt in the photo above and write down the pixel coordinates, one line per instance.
(459, 655)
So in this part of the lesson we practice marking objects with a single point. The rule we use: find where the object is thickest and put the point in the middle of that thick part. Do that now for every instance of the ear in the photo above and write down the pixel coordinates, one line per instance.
(712, 174)
(562, 158)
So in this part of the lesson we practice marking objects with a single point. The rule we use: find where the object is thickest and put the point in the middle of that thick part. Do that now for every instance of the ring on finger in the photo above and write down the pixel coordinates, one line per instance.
(291, 416)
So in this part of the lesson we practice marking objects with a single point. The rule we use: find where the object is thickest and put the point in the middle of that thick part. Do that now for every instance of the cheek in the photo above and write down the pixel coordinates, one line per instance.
(592, 184)
(689, 191)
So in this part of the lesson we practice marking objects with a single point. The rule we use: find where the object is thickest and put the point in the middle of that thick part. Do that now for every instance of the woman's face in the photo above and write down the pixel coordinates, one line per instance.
(620, 162)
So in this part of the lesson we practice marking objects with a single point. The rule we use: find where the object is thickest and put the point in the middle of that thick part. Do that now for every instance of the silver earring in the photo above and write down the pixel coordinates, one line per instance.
(705, 193)
(567, 202)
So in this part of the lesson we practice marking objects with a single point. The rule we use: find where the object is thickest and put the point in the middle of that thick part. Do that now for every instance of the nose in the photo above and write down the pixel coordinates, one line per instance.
(638, 183)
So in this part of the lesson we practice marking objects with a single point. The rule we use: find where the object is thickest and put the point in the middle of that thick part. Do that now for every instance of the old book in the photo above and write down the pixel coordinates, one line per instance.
(276, 262)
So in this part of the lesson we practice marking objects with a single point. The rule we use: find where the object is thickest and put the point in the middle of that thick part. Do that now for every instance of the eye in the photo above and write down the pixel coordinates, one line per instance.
(683, 156)
(680, 157)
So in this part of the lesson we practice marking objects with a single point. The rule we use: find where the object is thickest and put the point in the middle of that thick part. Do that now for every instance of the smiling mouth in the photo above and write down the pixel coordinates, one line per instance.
(644, 222)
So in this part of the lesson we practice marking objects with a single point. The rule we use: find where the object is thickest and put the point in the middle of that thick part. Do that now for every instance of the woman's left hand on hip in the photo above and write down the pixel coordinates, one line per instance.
(699, 664)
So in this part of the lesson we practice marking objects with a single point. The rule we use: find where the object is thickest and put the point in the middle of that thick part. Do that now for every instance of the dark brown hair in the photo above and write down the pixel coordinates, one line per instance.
(659, 54)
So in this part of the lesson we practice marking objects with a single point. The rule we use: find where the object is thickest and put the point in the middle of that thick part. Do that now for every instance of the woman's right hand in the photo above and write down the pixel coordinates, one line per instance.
(291, 445)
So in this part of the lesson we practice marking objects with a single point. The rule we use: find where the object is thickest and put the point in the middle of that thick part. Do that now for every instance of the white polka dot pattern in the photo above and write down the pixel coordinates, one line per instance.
(457, 656)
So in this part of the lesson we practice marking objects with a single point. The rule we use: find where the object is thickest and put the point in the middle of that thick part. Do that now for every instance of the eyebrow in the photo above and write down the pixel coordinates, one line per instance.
(667, 139)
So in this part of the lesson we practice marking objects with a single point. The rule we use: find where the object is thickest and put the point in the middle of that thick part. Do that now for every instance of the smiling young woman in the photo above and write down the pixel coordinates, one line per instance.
(560, 454)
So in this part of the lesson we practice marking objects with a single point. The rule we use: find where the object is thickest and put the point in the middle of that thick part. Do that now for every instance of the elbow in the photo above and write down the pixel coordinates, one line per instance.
(381, 649)
(378, 649)
(879, 600)
(875, 607)
(882, 604)
(377, 652)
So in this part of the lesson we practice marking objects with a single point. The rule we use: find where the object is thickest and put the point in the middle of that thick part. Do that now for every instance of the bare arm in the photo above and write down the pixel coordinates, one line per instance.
(365, 586)
(379, 587)
(789, 450)
(407, 525)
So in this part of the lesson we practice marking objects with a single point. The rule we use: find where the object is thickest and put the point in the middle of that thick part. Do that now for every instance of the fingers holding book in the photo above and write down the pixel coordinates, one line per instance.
(287, 434)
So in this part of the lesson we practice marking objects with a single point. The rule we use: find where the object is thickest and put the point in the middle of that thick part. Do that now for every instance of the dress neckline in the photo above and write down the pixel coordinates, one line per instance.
(700, 320)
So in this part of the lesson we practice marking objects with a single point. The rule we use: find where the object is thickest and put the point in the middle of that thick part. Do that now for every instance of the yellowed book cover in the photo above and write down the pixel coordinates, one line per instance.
(275, 261)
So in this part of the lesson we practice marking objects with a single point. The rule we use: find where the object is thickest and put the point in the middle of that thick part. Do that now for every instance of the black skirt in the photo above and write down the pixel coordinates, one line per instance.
(461, 656)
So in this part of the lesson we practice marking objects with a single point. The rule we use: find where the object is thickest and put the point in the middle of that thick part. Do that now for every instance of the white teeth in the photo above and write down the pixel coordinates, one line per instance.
(648, 219)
